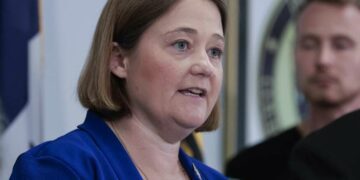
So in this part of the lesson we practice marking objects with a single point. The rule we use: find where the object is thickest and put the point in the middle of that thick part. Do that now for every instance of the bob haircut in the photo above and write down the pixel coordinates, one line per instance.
(124, 22)
(306, 3)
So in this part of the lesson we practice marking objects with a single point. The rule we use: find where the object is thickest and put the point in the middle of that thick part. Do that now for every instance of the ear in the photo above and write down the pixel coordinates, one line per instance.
(118, 61)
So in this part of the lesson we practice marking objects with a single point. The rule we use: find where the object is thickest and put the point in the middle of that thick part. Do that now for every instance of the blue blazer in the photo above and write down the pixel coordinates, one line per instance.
(91, 152)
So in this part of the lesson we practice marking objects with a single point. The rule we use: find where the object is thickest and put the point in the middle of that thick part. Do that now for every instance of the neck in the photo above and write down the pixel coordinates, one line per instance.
(152, 155)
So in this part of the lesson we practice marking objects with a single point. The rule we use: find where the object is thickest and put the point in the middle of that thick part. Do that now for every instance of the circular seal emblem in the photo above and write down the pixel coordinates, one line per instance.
(281, 105)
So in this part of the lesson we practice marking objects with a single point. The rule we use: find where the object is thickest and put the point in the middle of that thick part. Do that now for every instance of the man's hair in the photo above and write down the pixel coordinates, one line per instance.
(123, 22)
(306, 3)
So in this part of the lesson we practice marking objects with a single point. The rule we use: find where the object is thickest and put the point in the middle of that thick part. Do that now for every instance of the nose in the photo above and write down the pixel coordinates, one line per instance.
(202, 66)
(325, 56)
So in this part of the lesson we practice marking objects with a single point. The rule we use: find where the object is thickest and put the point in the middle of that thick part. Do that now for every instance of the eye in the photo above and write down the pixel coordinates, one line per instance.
(215, 53)
(181, 45)
(342, 44)
(308, 44)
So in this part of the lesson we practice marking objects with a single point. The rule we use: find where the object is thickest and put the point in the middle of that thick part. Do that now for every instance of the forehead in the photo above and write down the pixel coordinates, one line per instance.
(201, 15)
(325, 18)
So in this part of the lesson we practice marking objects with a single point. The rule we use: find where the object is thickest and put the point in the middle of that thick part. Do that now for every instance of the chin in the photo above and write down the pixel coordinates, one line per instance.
(191, 122)
(323, 98)
(190, 118)
(326, 101)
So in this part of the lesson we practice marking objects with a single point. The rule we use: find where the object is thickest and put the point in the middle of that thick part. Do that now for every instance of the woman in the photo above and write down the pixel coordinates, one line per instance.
(153, 76)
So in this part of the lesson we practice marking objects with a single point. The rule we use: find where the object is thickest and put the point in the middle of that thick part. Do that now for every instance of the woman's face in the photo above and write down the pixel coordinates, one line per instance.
(174, 75)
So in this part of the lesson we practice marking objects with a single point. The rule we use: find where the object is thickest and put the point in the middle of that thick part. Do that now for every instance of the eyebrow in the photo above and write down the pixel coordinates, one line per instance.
(306, 37)
(188, 30)
(333, 36)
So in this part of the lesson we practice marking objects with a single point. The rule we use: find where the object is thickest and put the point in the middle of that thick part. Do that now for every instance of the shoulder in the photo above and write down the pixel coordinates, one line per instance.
(331, 151)
(75, 144)
(269, 156)
(336, 137)
(65, 157)
(285, 139)
(346, 126)
(30, 167)
(278, 145)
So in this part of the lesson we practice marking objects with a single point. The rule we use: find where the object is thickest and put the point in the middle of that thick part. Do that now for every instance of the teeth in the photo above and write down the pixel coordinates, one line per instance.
(196, 91)
(190, 93)
(193, 92)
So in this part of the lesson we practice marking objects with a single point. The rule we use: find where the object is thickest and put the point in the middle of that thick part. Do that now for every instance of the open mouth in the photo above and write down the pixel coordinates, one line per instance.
(196, 92)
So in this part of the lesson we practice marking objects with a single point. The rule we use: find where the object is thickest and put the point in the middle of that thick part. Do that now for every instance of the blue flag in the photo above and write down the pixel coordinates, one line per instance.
(18, 24)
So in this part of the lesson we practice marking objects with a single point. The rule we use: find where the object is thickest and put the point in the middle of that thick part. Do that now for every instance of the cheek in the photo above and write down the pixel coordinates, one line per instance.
(351, 73)
(299, 62)
(151, 72)
(159, 74)
(304, 67)
(217, 81)
(302, 75)
(150, 67)
(304, 58)
(220, 78)
(156, 65)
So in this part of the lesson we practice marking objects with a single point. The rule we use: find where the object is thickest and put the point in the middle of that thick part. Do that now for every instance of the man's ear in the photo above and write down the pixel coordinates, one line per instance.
(118, 61)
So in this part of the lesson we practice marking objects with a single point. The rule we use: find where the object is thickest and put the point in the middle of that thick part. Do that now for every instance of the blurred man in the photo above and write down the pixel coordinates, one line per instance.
(327, 60)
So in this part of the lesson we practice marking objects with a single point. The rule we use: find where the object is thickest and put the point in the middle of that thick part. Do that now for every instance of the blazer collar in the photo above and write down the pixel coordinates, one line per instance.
(111, 147)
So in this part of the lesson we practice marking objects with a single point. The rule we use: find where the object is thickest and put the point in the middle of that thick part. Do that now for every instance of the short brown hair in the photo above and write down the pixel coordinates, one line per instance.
(124, 22)
(306, 3)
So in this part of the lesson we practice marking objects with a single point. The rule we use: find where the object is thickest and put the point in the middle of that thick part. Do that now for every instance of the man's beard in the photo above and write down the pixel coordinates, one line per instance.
(332, 100)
